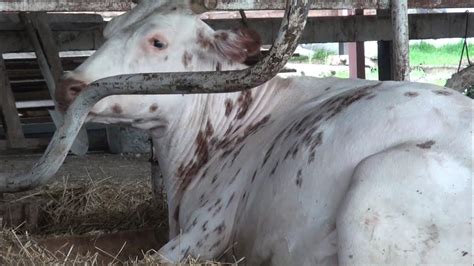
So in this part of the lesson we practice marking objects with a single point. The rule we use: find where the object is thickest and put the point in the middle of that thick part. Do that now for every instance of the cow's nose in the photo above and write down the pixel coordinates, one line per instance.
(67, 91)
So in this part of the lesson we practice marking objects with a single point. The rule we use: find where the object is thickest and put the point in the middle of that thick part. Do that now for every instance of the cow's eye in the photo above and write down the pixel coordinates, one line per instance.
(158, 44)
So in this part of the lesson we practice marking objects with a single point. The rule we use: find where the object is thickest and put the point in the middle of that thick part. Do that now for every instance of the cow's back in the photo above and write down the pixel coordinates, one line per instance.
(308, 154)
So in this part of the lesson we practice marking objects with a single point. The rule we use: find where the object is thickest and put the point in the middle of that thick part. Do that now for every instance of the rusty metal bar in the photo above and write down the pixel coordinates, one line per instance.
(160, 83)
(401, 40)
(120, 5)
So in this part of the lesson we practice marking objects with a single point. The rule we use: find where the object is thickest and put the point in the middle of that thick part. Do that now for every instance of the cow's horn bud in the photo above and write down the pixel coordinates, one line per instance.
(201, 6)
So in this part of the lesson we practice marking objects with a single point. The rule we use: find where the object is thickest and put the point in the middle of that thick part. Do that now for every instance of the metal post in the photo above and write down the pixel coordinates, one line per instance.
(400, 30)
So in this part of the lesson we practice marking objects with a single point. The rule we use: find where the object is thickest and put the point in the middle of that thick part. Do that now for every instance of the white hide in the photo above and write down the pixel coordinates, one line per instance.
(298, 171)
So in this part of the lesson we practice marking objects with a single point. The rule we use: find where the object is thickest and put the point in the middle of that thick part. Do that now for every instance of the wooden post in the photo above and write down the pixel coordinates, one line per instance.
(46, 50)
(47, 54)
(384, 53)
(11, 120)
(384, 59)
(357, 55)
(401, 40)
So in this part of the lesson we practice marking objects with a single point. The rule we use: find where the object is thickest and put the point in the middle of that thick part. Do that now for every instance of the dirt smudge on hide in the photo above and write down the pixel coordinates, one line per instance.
(432, 233)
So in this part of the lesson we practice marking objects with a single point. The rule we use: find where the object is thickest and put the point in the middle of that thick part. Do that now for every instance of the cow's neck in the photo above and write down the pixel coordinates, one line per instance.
(209, 125)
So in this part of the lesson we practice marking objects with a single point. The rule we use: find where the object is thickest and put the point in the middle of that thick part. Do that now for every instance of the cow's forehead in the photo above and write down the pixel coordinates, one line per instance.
(144, 12)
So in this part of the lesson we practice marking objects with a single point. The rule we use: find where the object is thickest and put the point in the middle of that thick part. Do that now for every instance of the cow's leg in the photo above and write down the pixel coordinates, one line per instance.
(156, 177)
(407, 206)
(205, 241)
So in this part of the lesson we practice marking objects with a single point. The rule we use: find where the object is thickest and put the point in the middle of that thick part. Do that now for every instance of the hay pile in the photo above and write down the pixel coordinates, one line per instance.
(74, 222)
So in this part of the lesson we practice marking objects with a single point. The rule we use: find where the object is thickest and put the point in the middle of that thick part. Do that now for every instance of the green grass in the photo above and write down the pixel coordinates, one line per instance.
(299, 59)
(427, 54)
(320, 56)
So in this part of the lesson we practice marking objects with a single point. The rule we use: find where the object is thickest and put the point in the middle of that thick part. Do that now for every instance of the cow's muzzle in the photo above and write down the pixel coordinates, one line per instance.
(68, 89)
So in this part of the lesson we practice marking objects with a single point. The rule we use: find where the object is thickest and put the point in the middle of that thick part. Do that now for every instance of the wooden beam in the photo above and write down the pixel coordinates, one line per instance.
(401, 40)
(120, 5)
(11, 120)
(87, 33)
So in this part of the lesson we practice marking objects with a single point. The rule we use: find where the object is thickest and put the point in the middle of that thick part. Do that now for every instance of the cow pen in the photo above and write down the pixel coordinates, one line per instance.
(99, 206)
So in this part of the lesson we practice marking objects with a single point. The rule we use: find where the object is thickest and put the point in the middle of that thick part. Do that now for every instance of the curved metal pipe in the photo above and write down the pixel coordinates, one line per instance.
(160, 83)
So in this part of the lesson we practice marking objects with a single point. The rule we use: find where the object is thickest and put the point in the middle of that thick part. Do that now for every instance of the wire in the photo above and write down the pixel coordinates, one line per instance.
(465, 46)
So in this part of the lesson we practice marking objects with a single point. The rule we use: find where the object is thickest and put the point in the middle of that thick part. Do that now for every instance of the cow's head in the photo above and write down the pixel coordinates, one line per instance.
(158, 36)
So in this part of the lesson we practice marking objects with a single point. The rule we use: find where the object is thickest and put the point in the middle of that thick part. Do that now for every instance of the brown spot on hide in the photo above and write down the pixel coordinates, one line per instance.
(411, 94)
(274, 168)
(176, 214)
(442, 92)
(202, 40)
(187, 59)
(244, 101)
(220, 228)
(117, 109)
(230, 200)
(299, 178)
(426, 145)
(209, 129)
(215, 245)
(255, 127)
(254, 175)
(228, 107)
(337, 104)
(204, 226)
(153, 108)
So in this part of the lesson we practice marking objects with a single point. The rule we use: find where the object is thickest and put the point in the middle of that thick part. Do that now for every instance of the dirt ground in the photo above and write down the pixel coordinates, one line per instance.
(98, 208)
(96, 166)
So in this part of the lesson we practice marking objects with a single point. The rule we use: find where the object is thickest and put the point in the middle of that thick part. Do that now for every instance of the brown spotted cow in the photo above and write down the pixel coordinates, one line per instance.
(298, 171)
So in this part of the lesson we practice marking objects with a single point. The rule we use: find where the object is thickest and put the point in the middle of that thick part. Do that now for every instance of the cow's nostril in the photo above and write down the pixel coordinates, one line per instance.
(67, 91)
(76, 89)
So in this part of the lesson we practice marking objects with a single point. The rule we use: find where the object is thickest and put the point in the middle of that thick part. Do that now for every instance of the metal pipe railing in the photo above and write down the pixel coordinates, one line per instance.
(291, 30)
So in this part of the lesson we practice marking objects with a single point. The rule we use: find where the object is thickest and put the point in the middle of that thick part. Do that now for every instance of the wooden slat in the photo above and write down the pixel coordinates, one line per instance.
(14, 131)
(35, 144)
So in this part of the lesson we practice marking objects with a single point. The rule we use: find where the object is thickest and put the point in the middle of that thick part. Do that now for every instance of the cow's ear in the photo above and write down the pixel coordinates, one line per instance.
(239, 45)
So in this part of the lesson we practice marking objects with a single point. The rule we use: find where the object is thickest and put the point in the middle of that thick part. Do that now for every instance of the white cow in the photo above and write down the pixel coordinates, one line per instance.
(298, 171)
